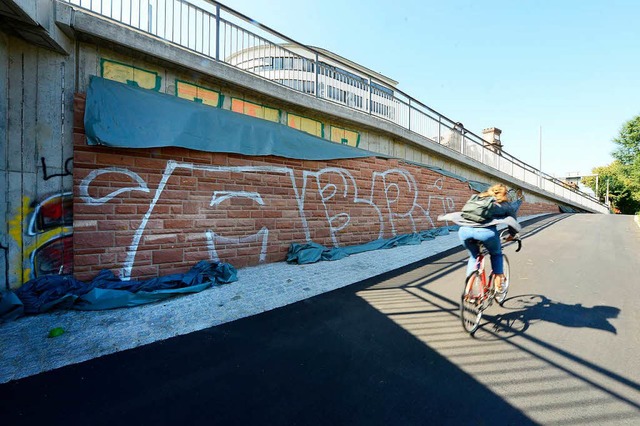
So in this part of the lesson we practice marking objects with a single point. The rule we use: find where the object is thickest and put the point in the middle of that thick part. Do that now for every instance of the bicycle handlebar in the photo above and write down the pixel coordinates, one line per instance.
(519, 244)
(504, 235)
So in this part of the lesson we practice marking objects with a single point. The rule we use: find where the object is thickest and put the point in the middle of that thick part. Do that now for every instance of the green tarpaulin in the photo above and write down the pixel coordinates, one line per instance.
(314, 252)
(119, 115)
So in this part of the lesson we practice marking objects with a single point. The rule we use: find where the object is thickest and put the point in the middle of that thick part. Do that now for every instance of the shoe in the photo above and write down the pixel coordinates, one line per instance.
(474, 300)
(504, 286)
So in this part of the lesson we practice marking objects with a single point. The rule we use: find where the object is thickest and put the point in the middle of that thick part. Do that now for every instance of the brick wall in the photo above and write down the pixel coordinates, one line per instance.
(150, 212)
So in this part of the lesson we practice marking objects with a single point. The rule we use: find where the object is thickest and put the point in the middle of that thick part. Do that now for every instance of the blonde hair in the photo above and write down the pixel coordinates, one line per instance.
(498, 191)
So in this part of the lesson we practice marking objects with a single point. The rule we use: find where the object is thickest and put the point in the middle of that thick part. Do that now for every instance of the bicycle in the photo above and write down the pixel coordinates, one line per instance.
(479, 293)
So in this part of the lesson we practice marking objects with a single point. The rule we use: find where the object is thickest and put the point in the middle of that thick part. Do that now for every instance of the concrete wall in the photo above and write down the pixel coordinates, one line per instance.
(35, 160)
(43, 145)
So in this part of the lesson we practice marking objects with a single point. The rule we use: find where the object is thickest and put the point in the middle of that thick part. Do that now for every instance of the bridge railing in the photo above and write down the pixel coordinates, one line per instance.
(218, 32)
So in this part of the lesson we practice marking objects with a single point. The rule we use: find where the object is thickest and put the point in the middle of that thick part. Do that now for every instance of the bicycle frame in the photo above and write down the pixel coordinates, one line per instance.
(485, 283)
(478, 296)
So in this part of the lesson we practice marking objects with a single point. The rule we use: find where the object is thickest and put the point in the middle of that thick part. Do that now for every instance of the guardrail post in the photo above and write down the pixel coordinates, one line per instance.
(217, 32)
(370, 106)
(317, 76)
(150, 18)
(409, 114)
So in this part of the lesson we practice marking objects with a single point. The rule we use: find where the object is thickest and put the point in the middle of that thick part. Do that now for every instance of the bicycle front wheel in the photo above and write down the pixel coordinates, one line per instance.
(470, 303)
(502, 296)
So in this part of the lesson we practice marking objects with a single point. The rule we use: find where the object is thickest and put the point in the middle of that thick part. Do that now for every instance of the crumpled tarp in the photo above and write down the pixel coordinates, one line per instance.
(107, 291)
(314, 252)
(567, 209)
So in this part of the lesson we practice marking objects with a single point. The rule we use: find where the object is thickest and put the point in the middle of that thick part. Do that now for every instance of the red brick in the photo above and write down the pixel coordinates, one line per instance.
(126, 209)
(108, 258)
(192, 207)
(112, 225)
(160, 239)
(147, 271)
(178, 224)
(79, 208)
(151, 163)
(93, 239)
(167, 256)
(83, 260)
(123, 240)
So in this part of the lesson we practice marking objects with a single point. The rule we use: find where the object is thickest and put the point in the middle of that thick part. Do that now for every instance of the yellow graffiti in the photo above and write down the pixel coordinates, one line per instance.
(130, 75)
(255, 110)
(305, 124)
(344, 136)
(16, 232)
(21, 258)
(198, 94)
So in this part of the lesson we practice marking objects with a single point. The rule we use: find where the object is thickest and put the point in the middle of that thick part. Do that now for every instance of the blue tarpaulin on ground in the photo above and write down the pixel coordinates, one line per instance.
(107, 291)
(314, 252)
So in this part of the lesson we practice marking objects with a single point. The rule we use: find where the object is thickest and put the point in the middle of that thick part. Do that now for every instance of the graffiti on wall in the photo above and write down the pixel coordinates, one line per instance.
(5, 252)
(313, 127)
(128, 74)
(52, 222)
(41, 232)
(395, 198)
(66, 172)
(255, 110)
(199, 94)
(47, 239)
(344, 136)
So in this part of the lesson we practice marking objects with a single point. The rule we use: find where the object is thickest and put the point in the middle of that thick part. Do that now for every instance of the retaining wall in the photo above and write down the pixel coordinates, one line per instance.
(149, 212)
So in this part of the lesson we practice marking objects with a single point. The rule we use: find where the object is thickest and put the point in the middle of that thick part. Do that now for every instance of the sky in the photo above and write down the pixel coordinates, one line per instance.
(558, 77)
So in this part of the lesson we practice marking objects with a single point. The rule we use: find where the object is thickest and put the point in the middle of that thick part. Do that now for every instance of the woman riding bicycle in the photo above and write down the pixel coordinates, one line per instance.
(478, 222)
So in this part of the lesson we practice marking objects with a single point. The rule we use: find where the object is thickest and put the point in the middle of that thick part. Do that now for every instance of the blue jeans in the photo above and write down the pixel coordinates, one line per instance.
(490, 238)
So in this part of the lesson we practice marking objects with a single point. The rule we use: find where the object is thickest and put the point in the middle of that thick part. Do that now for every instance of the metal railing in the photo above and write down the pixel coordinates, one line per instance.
(218, 32)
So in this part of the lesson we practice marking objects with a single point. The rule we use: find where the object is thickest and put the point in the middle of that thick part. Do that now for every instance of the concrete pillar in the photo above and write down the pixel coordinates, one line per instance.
(491, 137)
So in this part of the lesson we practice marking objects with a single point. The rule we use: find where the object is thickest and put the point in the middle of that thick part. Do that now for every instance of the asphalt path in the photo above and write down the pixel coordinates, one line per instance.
(564, 349)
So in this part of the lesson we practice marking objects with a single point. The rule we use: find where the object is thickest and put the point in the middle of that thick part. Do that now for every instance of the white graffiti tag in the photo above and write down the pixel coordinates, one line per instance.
(217, 198)
(84, 185)
(335, 186)
(339, 221)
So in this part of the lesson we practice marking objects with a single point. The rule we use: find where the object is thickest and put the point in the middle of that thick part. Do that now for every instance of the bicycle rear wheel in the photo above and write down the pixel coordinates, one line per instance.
(501, 297)
(470, 305)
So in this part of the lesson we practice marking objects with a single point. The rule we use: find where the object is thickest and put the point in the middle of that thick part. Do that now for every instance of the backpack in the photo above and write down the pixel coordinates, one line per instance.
(478, 209)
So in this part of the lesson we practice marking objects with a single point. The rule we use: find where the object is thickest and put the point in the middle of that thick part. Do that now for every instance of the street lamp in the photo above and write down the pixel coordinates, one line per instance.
(540, 163)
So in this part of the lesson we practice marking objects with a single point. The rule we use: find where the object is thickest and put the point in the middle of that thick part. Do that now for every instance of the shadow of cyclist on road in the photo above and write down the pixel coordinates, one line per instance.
(526, 309)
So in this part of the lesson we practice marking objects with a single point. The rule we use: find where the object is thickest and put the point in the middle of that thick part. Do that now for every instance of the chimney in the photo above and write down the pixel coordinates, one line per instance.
(491, 138)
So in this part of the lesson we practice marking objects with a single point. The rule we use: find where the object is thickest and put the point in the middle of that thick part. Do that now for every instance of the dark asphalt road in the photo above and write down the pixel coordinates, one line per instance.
(332, 359)
(362, 355)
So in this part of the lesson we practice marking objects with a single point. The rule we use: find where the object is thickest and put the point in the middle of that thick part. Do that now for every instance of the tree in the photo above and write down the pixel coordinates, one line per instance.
(624, 189)
(623, 174)
(628, 141)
